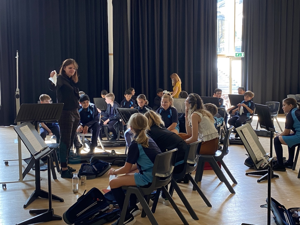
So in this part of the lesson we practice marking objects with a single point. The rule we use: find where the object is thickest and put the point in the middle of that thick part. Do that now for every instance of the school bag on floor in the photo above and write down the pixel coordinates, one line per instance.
(96, 168)
(91, 209)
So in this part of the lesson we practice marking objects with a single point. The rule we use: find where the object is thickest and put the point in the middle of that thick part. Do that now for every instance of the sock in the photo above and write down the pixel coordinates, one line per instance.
(120, 197)
(291, 154)
(278, 150)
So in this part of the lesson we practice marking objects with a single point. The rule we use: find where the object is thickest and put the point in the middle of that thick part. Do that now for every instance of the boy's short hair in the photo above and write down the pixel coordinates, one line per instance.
(159, 90)
(127, 92)
(131, 89)
(44, 97)
(249, 93)
(212, 108)
(242, 88)
(111, 96)
(217, 90)
(183, 94)
(104, 92)
(84, 98)
(81, 93)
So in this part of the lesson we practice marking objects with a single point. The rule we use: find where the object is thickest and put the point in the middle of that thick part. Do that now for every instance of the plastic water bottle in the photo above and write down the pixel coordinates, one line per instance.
(75, 183)
(110, 178)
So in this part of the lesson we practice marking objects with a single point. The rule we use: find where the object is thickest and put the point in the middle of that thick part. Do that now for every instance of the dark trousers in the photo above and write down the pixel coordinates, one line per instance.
(68, 123)
(54, 130)
(237, 120)
(111, 126)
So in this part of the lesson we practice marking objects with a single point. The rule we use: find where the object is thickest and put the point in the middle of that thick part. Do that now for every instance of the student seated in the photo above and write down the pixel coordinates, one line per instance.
(290, 136)
(218, 94)
(128, 102)
(111, 115)
(132, 90)
(242, 112)
(214, 111)
(142, 104)
(138, 166)
(48, 128)
(241, 90)
(157, 99)
(89, 120)
(103, 93)
(183, 94)
(168, 113)
(200, 126)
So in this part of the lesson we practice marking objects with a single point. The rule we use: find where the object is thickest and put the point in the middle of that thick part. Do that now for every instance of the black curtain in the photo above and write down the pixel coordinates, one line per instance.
(270, 40)
(171, 36)
(46, 33)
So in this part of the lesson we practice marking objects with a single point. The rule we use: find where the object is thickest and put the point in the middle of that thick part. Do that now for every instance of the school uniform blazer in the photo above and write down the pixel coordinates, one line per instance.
(112, 116)
(90, 116)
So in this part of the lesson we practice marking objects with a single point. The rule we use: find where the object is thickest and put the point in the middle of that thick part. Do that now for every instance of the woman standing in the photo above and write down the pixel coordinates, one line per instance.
(67, 93)
(176, 83)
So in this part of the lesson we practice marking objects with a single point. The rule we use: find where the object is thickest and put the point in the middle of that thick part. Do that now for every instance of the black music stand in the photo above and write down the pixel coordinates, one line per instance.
(35, 113)
(235, 99)
(38, 149)
(100, 104)
(213, 100)
(126, 113)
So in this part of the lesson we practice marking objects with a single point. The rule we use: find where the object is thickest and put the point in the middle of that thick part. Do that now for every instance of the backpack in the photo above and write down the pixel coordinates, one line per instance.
(96, 168)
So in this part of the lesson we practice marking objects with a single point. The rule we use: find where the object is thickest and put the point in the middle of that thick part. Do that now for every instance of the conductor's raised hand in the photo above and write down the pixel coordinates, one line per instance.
(53, 73)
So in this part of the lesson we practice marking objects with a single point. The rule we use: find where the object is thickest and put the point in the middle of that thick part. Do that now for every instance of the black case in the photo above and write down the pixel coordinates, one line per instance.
(91, 209)
(283, 216)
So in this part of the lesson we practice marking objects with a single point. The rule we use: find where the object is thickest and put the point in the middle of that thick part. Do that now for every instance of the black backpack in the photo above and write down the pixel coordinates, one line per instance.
(96, 168)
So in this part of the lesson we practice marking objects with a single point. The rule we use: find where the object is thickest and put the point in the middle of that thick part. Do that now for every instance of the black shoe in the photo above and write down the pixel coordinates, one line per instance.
(288, 165)
(278, 167)
(66, 174)
(129, 221)
(71, 169)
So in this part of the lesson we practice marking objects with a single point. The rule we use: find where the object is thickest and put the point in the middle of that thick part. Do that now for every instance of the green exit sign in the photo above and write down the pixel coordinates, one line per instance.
(239, 54)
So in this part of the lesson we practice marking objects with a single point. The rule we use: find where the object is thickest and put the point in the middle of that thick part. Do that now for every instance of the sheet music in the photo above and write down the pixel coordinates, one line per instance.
(257, 152)
(241, 110)
(31, 138)
(53, 79)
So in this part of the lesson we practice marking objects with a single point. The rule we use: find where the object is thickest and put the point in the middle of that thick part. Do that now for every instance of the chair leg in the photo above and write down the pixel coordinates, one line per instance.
(228, 172)
(184, 200)
(155, 200)
(299, 174)
(174, 205)
(296, 158)
(56, 160)
(143, 211)
(52, 167)
(278, 124)
(220, 174)
(199, 190)
(199, 171)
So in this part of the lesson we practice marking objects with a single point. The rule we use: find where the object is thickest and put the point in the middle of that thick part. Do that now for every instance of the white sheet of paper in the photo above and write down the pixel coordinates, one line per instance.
(257, 152)
(31, 138)
(53, 79)
(241, 110)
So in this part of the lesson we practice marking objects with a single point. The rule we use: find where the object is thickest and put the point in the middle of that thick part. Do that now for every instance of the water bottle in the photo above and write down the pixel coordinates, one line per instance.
(75, 183)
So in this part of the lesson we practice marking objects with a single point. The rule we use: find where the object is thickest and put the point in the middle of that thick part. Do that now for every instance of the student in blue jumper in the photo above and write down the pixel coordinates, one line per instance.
(218, 94)
(89, 120)
(138, 167)
(290, 136)
(48, 128)
(157, 99)
(128, 102)
(243, 110)
(111, 115)
(168, 113)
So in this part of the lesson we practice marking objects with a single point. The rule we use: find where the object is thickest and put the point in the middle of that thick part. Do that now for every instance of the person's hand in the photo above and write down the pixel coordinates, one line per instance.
(99, 111)
(53, 73)
(106, 122)
(85, 129)
(79, 129)
(111, 171)
(50, 134)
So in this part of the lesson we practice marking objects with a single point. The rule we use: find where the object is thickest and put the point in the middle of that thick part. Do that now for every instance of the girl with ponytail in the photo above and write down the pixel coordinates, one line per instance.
(138, 167)
(290, 136)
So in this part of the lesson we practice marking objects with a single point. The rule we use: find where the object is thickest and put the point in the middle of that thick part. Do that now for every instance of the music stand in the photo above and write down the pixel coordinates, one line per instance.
(213, 100)
(100, 104)
(235, 99)
(38, 149)
(126, 113)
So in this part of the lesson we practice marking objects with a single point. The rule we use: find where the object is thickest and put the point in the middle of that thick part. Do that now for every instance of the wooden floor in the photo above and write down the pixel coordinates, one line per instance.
(227, 208)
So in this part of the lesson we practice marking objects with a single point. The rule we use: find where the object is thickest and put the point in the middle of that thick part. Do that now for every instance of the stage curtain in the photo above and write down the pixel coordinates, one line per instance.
(45, 33)
(171, 36)
(270, 40)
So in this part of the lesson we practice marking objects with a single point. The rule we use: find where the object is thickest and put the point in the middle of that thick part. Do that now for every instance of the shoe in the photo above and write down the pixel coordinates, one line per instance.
(164, 201)
(135, 211)
(66, 174)
(278, 167)
(288, 165)
(141, 207)
(71, 169)
(129, 221)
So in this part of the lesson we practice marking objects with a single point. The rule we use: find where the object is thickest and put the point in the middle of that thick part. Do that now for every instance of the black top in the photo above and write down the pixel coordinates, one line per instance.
(156, 103)
(169, 116)
(89, 116)
(289, 123)
(66, 92)
(128, 104)
(166, 139)
(144, 109)
(111, 112)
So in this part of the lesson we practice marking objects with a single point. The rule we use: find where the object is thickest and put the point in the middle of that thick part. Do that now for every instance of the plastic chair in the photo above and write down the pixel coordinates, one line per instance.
(213, 159)
(296, 159)
(274, 109)
(162, 175)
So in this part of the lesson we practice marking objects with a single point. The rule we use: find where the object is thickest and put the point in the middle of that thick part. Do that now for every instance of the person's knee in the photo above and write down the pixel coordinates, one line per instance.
(114, 183)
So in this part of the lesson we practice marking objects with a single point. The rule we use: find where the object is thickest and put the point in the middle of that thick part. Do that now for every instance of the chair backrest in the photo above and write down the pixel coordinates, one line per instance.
(100, 103)
(298, 97)
(226, 141)
(222, 112)
(179, 104)
(191, 161)
(291, 96)
(273, 106)
(163, 169)
(126, 113)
